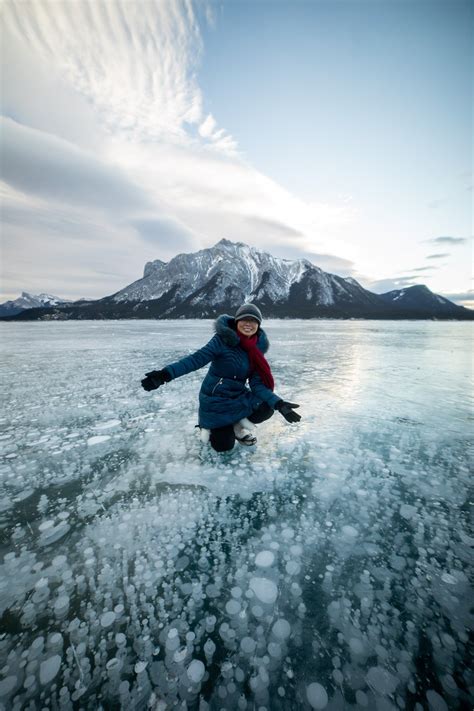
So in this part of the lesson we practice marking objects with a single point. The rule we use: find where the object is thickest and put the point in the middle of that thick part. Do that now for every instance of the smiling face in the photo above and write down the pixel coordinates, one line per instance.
(247, 326)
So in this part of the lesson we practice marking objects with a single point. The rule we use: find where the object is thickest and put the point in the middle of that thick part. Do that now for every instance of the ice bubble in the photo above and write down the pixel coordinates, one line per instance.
(435, 701)
(356, 646)
(107, 619)
(209, 649)
(468, 540)
(381, 680)
(56, 640)
(54, 534)
(317, 696)
(292, 568)
(45, 525)
(407, 511)
(281, 629)
(264, 559)
(349, 532)
(61, 605)
(264, 589)
(196, 671)
(49, 668)
(247, 645)
(361, 698)
(180, 655)
(274, 650)
(140, 667)
(59, 561)
(97, 439)
(232, 607)
(448, 579)
(107, 425)
(7, 685)
(113, 664)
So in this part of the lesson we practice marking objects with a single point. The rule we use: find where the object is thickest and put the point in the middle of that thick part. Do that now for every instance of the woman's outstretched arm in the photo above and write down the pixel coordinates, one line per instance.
(195, 360)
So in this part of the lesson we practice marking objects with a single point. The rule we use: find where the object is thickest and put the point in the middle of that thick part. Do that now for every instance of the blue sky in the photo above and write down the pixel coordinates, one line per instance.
(334, 131)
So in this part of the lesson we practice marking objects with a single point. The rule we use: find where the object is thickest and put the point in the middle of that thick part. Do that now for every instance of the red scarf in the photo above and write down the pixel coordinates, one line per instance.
(258, 362)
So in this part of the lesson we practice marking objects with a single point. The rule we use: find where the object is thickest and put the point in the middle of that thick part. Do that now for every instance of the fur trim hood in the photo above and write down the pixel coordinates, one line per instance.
(224, 326)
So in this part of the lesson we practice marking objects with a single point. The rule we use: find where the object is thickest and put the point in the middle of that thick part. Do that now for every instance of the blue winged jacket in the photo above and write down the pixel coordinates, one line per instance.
(225, 397)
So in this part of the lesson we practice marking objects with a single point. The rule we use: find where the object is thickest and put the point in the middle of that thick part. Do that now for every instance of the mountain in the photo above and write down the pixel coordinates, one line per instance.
(220, 278)
(29, 301)
(420, 298)
(226, 275)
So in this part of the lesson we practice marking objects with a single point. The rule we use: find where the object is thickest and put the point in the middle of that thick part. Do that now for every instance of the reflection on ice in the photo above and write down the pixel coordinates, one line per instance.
(326, 569)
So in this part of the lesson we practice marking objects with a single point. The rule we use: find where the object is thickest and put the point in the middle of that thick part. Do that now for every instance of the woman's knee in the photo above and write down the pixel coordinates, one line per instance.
(222, 438)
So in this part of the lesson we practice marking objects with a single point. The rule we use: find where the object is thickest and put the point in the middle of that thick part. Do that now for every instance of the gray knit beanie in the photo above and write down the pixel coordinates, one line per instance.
(248, 311)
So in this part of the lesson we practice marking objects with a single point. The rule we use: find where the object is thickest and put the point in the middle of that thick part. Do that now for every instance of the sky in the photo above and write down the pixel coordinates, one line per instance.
(338, 131)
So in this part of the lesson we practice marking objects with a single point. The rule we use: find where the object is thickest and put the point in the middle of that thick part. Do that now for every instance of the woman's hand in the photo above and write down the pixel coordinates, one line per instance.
(154, 379)
(286, 409)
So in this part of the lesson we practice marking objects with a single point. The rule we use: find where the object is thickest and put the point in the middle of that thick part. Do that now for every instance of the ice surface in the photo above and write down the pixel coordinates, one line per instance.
(329, 567)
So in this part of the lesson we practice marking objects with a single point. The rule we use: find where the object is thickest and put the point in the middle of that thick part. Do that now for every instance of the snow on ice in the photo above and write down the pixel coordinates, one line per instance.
(325, 568)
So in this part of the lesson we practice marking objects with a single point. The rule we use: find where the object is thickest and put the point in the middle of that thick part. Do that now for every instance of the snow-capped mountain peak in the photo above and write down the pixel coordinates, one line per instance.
(29, 301)
(229, 273)
(230, 266)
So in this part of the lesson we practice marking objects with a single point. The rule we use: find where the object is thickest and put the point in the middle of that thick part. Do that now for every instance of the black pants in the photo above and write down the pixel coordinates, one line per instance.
(223, 438)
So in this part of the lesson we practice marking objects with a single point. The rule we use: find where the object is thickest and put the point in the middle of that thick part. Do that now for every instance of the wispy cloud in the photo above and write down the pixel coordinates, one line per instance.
(166, 234)
(137, 65)
(381, 286)
(447, 240)
(438, 256)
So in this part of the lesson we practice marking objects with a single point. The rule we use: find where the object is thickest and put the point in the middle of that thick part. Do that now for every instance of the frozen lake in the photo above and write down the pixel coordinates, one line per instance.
(327, 567)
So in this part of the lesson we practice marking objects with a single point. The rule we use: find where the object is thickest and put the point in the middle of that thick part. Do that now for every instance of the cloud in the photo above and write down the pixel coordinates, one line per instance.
(30, 87)
(334, 264)
(137, 66)
(447, 240)
(423, 269)
(438, 256)
(261, 224)
(48, 167)
(132, 153)
(461, 295)
(463, 298)
(381, 286)
(166, 234)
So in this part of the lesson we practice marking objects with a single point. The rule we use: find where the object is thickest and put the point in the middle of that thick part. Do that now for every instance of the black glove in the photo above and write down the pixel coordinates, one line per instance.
(155, 378)
(286, 409)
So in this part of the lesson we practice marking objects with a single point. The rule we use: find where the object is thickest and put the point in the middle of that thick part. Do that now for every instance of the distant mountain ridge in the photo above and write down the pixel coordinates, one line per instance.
(220, 278)
(30, 301)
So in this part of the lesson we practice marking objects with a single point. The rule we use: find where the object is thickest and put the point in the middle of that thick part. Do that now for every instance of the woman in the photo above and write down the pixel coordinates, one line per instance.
(236, 354)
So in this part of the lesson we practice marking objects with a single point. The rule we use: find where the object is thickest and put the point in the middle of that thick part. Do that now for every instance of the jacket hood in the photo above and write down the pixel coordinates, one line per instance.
(224, 326)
